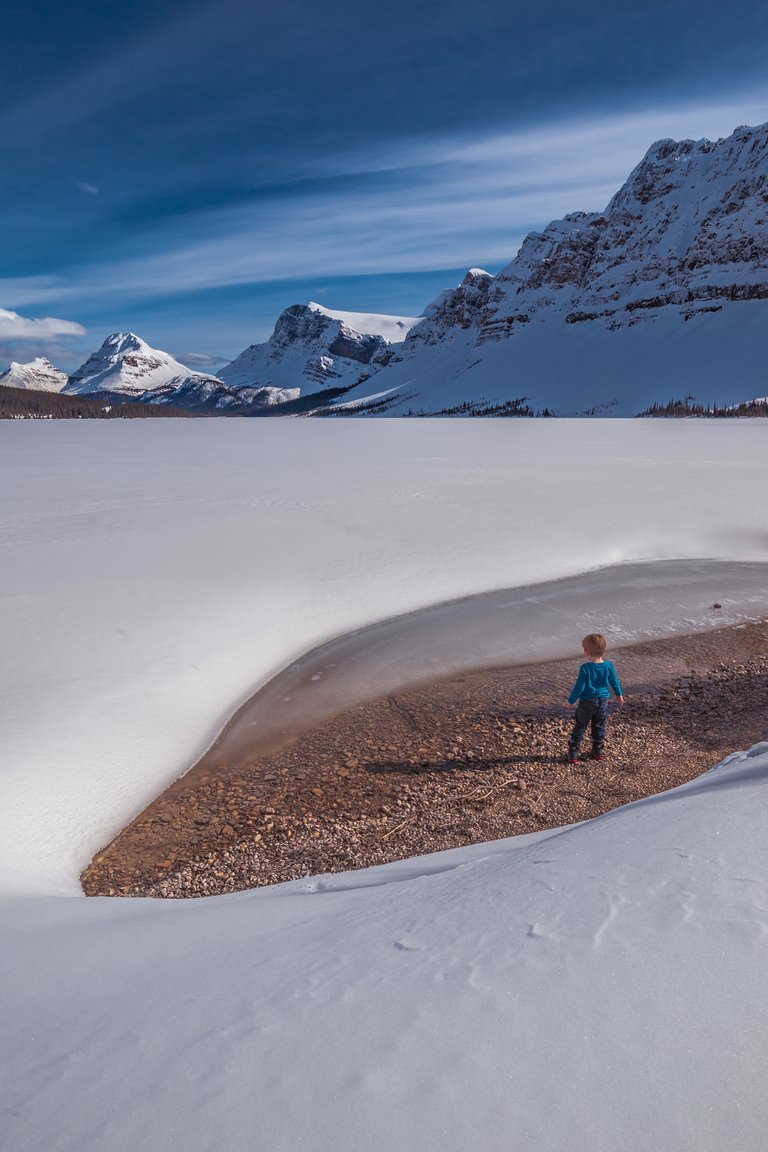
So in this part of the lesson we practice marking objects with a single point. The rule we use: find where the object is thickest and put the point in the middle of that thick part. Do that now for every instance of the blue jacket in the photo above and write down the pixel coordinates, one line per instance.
(593, 682)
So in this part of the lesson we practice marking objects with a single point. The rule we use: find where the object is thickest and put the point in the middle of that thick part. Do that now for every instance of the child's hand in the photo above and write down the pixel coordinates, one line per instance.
(621, 700)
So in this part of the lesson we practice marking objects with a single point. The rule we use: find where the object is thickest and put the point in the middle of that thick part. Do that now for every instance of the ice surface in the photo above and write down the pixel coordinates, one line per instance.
(628, 603)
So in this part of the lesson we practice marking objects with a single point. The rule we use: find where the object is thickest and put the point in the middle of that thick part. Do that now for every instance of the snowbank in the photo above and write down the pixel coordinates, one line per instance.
(599, 987)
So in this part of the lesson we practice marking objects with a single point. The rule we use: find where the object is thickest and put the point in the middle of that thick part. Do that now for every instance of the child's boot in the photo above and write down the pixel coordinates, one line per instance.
(597, 752)
(571, 756)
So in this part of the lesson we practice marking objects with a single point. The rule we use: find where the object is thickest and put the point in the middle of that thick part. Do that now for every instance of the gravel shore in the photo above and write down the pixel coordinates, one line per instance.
(473, 758)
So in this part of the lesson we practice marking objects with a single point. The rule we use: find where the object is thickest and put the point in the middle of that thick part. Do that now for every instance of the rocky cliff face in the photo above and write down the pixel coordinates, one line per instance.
(685, 238)
(314, 350)
(689, 225)
(456, 308)
(302, 324)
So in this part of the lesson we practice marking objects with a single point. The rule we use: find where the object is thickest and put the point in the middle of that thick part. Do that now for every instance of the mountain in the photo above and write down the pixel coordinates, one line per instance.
(661, 295)
(658, 302)
(315, 349)
(208, 393)
(38, 375)
(125, 363)
(311, 350)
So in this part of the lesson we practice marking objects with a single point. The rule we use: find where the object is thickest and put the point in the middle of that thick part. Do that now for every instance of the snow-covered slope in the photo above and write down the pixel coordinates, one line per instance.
(393, 329)
(664, 293)
(39, 375)
(126, 363)
(313, 348)
(600, 987)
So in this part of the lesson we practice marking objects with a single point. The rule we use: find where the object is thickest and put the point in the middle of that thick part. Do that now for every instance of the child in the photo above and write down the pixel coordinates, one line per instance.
(590, 694)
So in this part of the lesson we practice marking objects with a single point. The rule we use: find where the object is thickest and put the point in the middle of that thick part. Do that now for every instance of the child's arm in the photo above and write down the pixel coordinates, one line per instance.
(581, 680)
(614, 682)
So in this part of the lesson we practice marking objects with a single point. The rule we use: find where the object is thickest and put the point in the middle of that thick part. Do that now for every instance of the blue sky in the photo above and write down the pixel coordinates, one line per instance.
(188, 170)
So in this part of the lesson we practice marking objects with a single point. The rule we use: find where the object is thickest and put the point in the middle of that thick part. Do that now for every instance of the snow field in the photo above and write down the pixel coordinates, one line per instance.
(392, 328)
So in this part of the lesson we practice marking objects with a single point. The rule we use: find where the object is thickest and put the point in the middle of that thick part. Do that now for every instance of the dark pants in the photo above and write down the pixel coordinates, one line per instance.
(589, 714)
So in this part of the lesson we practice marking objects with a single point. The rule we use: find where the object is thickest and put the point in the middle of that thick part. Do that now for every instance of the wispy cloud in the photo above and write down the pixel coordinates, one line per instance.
(25, 290)
(15, 327)
(458, 200)
(90, 189)
(22, 338)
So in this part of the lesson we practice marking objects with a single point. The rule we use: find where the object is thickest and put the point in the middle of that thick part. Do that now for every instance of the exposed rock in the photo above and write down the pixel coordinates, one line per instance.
(591, 311)
(313, 349)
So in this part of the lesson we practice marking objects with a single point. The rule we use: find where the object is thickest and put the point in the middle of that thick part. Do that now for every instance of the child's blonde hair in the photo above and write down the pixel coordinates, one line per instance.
(594, 644)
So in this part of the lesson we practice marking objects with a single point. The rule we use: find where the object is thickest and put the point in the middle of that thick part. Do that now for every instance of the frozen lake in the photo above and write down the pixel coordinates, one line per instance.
(157, 574)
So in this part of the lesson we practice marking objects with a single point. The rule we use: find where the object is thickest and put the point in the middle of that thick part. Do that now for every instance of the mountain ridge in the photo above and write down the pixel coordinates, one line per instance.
(660, 295)
(686, 233)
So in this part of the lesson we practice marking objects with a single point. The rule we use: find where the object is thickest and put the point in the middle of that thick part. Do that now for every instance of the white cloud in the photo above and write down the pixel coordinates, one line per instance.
(201, 360)
(91, 189)
(15, 327)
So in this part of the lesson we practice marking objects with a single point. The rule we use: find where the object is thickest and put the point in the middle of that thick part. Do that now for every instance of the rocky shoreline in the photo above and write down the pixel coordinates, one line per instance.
(472, 758)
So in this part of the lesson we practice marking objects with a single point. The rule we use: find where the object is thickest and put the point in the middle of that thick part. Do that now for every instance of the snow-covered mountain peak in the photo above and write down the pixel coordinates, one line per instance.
(601, 299)
(559, 254)
(590, 303)
(673, 165)
(474, 278)
(315, 349)
(125, 343)
(687, 206)
(39, 375)
(126, 363)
